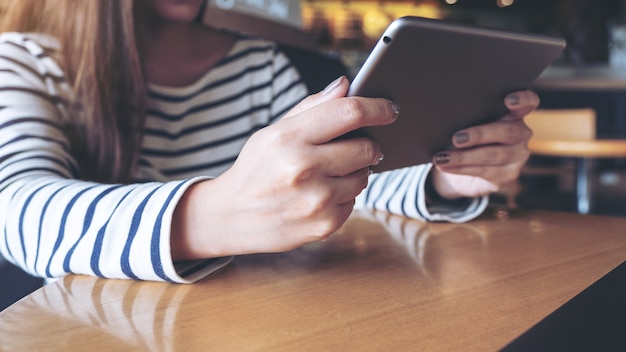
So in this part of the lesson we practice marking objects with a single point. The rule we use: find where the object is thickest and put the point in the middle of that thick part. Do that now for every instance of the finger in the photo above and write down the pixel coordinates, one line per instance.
(493, 155)
(332, 119)
(335, 89)
(345, 156)
(348, 187)
(499, 132)
(520, 103)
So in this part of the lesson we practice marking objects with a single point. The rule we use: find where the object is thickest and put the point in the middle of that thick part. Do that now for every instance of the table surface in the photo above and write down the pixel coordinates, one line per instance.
(582, 78)
(382, 282)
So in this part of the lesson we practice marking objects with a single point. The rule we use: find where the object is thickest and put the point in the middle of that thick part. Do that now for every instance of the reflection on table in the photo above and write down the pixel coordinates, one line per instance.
(383, 282)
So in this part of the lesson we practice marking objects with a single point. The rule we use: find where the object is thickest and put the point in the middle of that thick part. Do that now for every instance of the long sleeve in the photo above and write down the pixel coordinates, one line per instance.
(402, 192)
(53, 224)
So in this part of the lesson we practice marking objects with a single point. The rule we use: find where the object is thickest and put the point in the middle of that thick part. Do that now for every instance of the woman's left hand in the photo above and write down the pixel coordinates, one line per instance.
(486, 157)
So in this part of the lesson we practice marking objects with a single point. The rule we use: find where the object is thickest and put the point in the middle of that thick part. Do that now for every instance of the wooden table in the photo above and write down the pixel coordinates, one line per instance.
(382, 283)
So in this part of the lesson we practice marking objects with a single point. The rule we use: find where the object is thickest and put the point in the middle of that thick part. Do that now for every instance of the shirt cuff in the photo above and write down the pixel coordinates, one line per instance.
(436, 208)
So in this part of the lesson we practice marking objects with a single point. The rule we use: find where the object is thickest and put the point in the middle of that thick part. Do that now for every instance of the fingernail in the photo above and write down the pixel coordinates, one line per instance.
(329, 88)
(396, 110)
(380, 158)
(442, 158)
(513, 99)
(461, 137)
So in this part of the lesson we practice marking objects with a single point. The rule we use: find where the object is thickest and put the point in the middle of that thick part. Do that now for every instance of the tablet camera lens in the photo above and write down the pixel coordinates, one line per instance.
(386, 40)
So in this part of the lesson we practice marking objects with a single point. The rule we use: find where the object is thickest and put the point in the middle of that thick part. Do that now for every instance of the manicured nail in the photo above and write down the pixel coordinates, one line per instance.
(442, 158)
(396, 110)
(513, 99)
(461, 137)
(334, 84)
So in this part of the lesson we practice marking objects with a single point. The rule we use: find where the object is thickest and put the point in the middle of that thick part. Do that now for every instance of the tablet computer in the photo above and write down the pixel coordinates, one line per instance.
(445, 76)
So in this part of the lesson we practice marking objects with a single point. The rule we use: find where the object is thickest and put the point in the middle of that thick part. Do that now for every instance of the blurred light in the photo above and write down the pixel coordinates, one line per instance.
(451, 2)
(505, 3)
(374, 22)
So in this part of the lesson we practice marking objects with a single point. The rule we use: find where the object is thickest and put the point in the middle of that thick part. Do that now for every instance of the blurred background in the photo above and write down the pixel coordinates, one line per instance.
(351, 28)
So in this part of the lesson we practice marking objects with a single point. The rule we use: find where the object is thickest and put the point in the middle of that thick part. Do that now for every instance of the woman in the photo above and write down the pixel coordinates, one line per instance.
(137, 143)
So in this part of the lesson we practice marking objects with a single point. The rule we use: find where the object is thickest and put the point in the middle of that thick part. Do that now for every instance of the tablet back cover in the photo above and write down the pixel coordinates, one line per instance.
(445, 77)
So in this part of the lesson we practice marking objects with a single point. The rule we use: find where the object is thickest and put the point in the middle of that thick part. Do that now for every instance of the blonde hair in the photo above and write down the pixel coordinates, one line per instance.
(99, 54)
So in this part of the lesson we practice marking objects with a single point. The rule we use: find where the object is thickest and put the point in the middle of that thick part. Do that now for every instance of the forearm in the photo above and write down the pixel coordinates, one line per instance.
(57, 226)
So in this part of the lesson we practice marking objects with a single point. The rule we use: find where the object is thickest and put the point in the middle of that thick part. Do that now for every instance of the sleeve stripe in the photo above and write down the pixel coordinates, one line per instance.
(39, 138)
(86, 224)
(63, 163)
(155, 243)
(21, 173)
(21, 223)
(132, 232)
(40, 234)
(31, 70)
(38, 120)
(99, 242)
(55, 100)
(61, 233)
(420, 181)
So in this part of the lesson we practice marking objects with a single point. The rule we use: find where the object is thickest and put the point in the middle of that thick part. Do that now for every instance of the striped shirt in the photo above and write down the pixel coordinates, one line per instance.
(54, 224)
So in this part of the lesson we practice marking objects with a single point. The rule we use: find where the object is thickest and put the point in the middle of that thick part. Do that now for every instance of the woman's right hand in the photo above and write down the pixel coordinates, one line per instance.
(293, 183)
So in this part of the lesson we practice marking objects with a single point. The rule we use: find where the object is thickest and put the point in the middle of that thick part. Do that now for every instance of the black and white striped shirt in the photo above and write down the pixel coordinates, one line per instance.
(53, 224)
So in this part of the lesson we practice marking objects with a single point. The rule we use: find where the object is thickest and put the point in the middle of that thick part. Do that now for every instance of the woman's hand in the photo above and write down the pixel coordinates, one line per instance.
(486, 157)
(294, 182)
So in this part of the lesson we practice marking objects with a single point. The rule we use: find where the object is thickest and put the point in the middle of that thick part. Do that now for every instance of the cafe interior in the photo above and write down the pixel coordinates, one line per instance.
(578, 150)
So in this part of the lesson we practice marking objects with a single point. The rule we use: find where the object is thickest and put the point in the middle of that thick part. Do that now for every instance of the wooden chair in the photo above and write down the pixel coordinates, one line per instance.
(564, 133)
(561, 124)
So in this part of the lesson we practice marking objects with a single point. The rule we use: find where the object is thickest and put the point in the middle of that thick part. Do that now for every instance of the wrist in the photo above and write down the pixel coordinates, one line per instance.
(181, 238)
(434, 198)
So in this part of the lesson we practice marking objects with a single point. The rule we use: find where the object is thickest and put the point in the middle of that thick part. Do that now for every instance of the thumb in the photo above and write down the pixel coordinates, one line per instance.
(520, 103)
(336, 89)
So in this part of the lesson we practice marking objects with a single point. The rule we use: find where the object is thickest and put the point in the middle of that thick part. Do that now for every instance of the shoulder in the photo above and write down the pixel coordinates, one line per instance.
(29, 72)
(29, 52)
(28, 44)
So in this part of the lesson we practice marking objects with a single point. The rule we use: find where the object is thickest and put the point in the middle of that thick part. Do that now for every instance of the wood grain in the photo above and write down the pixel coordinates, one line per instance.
(382, 282)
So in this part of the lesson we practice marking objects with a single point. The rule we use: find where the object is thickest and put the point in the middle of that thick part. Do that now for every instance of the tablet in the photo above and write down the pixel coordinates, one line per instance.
(445, 77)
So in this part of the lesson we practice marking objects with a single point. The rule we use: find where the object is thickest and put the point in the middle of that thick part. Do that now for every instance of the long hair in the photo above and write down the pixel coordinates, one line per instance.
(100, 57)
